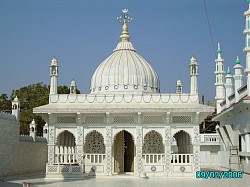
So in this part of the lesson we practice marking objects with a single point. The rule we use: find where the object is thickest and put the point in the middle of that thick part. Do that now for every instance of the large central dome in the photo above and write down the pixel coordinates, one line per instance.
(125, 71)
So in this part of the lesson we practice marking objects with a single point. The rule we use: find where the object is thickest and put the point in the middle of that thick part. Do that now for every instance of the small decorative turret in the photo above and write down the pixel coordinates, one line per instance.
(238, 78)
(73, 87)
(33, 129)
(53, 76)
(229, 86)
(193, 66)
(16, 108)
(220, 89)
(179, 86)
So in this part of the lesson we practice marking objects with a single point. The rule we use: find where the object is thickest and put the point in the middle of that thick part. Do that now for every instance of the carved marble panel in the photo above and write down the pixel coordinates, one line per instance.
(108, 143)
(139, 164)
(167, 150)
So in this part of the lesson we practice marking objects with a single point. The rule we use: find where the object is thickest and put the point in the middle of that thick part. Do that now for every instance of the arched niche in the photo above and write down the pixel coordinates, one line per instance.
(153, 143)
(94, 143)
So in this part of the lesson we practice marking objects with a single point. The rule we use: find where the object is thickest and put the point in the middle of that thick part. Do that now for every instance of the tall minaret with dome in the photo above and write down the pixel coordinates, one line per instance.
(219, 82)
(238, 77)
(53, 76)
(193, 66)
(247, 47)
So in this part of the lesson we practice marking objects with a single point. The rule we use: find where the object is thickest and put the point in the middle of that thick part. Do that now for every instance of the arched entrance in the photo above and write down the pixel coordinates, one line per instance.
(124, 151)
(65, 150)
(183, 141)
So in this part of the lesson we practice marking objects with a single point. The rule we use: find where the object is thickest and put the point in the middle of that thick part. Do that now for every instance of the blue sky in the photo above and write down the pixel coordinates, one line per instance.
(81, 34)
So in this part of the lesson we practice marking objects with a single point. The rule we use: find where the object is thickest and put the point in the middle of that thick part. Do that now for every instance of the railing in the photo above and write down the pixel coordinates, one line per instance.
(94, 158)
(153, 158)
(210, 139)
(182, 158)
(65, 155)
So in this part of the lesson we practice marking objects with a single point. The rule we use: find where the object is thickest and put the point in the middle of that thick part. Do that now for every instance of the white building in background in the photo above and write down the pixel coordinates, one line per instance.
(125, 125)
(233, 108)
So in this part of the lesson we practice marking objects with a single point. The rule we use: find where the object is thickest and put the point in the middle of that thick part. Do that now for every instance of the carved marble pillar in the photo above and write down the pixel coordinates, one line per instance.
(196, 148)
(108, 151)
(167, 145)
(51, 145)
(79, 144)
(139, 138)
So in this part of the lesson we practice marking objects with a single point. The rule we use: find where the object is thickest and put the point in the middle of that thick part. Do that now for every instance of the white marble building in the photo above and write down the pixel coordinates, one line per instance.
(125, 125)
(233, 105)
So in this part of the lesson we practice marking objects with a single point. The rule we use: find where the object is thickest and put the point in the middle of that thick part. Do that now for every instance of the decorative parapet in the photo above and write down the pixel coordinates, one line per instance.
(41, 139)
(210, 139)
(26, 138)
(7, 116)
(242, 93)
(124, 98)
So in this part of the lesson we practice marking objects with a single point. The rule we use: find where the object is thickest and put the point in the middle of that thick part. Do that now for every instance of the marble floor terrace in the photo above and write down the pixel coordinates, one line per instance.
(37, 180)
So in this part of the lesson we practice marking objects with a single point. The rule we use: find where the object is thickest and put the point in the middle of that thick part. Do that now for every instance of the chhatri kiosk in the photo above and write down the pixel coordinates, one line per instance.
(125, 125)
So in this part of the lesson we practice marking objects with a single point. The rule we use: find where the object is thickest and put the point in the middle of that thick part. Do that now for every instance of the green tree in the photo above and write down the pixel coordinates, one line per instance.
(5, 103)
(65, 90)
(30, 97)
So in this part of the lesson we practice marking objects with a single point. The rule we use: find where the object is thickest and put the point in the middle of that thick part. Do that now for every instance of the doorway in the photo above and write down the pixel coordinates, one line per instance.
(124, 152)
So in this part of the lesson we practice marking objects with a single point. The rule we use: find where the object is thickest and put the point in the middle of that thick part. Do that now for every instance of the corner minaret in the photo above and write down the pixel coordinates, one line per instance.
(247, 47)
(73, 87)
(219, 82)
(16, 108)
(193, 66)
(238, 78)
(179, 86)
(229, 86)
(53, 76)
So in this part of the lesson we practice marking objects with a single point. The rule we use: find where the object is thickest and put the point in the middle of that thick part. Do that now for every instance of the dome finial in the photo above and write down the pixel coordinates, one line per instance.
(125, 18)
(219, 50)
(237, 60)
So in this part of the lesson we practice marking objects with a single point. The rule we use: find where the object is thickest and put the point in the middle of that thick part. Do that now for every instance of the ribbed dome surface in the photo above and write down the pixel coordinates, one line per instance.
(125, 71)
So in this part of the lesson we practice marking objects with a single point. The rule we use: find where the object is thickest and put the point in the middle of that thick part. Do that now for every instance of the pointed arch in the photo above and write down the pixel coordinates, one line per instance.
(153, 143)
(123, 151)
(66, 138)
(94, 143)
(121, 132)
(184, 142)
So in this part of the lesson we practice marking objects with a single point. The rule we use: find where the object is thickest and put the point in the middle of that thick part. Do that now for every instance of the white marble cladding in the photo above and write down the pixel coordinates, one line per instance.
(66, 119)
(94, 119)
(127, 118)
(124, 98)
(8, 116)
(181, 119)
